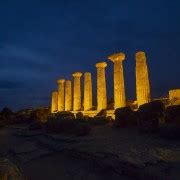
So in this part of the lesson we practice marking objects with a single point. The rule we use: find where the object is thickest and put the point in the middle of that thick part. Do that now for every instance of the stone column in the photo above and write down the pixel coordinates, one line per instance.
(54, 102)
(87, 91)
(119, 89)
(77, 91)
(68, 96)
(101, 86)
(142, 79)
(61, 94)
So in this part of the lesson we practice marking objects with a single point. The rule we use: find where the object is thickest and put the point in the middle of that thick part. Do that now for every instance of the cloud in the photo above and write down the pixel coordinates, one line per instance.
(16, 57)
(10, 85)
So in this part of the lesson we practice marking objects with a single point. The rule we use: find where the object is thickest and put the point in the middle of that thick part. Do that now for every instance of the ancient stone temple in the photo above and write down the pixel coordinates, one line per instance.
(142, 79)
(119, 91)
(77, 91)
(61, 94)
(101, 86)
(87, 91)
(69, 96)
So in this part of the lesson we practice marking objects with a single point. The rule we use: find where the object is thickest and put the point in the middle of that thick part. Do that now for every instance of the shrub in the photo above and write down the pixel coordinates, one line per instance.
(40, 114)
(79, 116)
(172, 114)
(67, 124)
(149, 116)
(97, 121)
(102, 114)
(125, 117)
(24, 116)
(7, 116)
(63, 114)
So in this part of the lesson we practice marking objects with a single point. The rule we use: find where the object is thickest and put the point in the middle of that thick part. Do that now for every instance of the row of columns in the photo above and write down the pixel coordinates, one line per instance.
(63, 100)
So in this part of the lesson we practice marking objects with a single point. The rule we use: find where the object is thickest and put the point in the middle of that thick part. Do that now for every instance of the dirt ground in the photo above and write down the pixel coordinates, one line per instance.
(53, 165)
(106, 153)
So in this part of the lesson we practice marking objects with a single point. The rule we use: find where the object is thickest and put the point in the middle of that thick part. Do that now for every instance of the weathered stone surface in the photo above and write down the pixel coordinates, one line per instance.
(9, 171)
(101, 86)
(54, 102)
(87, 91)
(77, 91)
(68, 96)
(61, 105)
(119, 89)
(142, 79)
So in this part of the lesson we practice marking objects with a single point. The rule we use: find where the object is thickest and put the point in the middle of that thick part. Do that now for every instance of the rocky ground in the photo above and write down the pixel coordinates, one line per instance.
(107, 153)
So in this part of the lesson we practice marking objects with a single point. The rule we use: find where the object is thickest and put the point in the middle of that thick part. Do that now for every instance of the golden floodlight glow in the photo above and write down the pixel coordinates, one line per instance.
(174, 94)
(87, 91)
(101, 86)
(61, 94)
(142, 79)
(77, 91)
(54, 102)
(119, 89)
(68, 96)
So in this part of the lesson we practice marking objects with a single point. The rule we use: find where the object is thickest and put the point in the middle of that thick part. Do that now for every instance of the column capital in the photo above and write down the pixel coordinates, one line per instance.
(77, 74)
(140, 56)
(87, 73)
(59, 81)
(101, 65)
(117, 57)
(68, 81)
(55, 91)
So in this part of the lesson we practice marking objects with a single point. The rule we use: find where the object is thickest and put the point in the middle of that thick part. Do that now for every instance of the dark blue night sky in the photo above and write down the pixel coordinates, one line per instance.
(43, 40)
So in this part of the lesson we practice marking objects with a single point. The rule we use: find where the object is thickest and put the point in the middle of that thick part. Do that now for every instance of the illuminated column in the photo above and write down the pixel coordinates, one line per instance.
(101, 86)
(119, 90)
(61, 94)
(87, 91)
(142, 79)
(54, 102)
(68, 96)
(77, 91)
